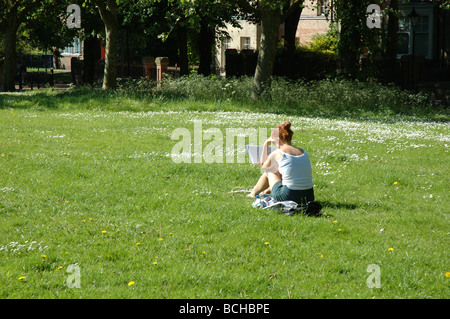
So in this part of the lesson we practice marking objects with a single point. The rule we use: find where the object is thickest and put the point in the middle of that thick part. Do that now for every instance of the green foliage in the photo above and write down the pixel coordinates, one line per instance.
(326, 98)
(331, 97)
(324, 43)
(45, 28)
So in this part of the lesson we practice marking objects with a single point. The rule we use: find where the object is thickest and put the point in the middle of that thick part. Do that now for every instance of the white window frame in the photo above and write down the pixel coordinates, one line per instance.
(75, 49)
(245, 43)
(422, 11)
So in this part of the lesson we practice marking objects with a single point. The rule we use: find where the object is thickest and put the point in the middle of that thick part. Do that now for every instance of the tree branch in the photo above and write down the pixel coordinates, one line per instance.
(244, 4)
(294, 4)
(108, 11)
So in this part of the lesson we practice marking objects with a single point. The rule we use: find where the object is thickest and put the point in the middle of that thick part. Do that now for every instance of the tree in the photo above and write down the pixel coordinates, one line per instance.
(212, 14)
(13, 14)
(350, 14)
(42, 25)
(108, 13)
(271, 19)
(45, 27)
(391, 41)
(271, 13)
(290, 30)
(197, 21)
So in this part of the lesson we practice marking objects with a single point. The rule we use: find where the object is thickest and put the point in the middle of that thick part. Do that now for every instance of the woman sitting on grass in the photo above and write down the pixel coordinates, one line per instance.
(287, 170)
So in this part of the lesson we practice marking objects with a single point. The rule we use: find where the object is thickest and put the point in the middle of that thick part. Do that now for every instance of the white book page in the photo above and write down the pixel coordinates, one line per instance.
(254, 152)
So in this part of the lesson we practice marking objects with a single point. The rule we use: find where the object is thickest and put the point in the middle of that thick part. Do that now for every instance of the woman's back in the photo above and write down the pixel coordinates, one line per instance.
(296, 170)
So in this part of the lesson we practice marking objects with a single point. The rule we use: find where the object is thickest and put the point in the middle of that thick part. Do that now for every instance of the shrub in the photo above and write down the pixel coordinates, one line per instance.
(329, 97)
(324, 43)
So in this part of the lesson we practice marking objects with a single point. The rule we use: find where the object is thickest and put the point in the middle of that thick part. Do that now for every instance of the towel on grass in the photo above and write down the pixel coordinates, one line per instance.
(287, 207)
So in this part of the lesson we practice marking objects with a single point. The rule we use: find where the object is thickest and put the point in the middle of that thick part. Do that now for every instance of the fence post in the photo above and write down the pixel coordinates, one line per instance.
(148, 63)
(161, 68)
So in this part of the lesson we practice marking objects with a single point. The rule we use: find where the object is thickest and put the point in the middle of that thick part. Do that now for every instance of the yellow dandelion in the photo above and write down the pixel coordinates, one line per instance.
(171, 234)
(266, 243)
(188, 249)
(155, 263)
(390, 249)
(3, 155)
(83, 221)
(60, 267)
(90, 219)
(137, 244)
(203, 252)
(131, 283)
(103, 231)
(66, 201)
(447, 274)
(395, 183)
(321, 255)
(339, 229)
(160, 239)
(22, 277)
(334, 221)
(44, 256)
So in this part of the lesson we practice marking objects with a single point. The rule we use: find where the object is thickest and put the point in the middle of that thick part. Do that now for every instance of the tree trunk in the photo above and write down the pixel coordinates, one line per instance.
(205, 46)
(350, 36)
(91, 53)
(183, 50)
(108, 13)
(9, 65)
(110, 75)
(290, 30)
(270, 24)
(391, 42)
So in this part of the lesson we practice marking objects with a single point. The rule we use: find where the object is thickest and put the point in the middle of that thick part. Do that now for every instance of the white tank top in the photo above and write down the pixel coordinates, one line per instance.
(296, 171)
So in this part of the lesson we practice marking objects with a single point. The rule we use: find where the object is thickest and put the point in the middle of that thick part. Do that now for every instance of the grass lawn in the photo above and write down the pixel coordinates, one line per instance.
(84, 184)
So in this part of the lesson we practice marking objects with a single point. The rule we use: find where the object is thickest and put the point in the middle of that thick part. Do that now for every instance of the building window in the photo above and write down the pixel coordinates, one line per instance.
(424, 34)
(323, 7)
(245, 43)
(226, 43)
(75, 48)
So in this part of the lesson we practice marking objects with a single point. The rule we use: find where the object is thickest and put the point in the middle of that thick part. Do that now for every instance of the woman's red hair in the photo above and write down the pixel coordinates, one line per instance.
(284, 132)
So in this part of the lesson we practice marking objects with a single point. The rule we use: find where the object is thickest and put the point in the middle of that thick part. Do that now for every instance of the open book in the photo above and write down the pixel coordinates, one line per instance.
(254, 152)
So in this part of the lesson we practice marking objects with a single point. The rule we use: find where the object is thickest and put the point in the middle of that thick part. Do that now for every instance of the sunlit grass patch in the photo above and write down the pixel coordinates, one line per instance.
(96, 186)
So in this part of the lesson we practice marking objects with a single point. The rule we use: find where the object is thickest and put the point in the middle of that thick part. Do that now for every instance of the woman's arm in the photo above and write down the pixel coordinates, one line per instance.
(271, 165)
(265, 151)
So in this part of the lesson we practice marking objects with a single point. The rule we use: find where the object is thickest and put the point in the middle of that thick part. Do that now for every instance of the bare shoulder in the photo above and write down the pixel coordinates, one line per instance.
(292, 150)
(275, 155)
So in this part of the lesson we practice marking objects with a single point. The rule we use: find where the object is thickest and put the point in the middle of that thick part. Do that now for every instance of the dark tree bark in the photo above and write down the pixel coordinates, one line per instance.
(270, 23)
(9, 65)
(205, 46)
(183, 50)
(91, 53)
(350, 36)
(108, 13)
(290, 30)
(391, 42)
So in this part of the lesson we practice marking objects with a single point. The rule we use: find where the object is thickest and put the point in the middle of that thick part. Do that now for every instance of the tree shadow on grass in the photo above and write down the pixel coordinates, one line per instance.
(51, 99)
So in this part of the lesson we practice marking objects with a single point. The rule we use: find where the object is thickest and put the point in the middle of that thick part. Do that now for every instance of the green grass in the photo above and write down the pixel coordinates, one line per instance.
(76, 163)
